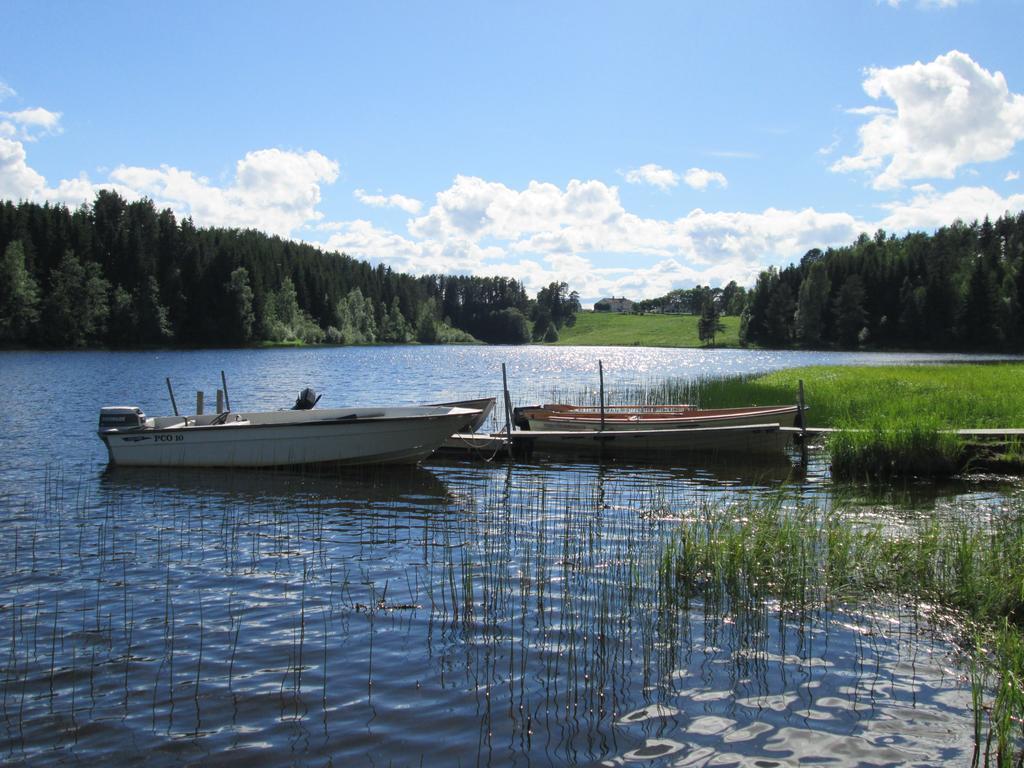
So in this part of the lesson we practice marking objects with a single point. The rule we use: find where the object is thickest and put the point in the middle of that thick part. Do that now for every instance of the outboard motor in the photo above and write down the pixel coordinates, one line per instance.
(306, 400)
(121, 417)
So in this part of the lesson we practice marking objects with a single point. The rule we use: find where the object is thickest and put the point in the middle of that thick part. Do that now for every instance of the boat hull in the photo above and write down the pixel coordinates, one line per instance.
(749, 439)
(483, 404)
(329, 440)
(540, 420)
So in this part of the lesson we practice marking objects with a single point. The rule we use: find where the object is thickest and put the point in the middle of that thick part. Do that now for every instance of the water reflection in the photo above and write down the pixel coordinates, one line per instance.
(504, 615)
(457, 613)
(375, 485)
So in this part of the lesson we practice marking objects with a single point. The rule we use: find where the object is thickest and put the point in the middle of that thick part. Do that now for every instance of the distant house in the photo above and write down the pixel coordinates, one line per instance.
(613, 304)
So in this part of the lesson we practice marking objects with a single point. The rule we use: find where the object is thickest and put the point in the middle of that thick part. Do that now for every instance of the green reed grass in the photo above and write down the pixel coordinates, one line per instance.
(884, 451)
(958, 396)
(747, 555)
(895, 419)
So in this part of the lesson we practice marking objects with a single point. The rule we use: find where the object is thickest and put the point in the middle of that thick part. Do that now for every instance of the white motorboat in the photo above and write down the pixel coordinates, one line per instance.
(485, 405)
(342, 436)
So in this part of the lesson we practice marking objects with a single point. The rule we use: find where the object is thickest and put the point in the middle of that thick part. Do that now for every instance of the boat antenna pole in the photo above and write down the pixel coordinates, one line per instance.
(170, 392)
(224, 381)
(600, 373)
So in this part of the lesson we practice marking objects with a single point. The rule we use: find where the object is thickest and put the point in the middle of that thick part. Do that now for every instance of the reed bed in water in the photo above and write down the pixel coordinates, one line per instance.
(739, 558)
(894, 417)
(906, 449)
(959, 396)
(514, 611)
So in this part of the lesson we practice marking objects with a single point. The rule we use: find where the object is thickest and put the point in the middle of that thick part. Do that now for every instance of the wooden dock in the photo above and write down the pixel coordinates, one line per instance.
(743, 439)
(996, 434)
(496, 446)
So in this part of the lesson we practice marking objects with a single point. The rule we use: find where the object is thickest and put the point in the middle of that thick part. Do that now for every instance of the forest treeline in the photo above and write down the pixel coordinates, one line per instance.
(123, 274)
(729, 300)
(119, 273)
(959, 288)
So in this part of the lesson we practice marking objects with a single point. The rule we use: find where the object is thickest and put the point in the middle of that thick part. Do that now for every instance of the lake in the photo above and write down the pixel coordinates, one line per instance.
(456, 613)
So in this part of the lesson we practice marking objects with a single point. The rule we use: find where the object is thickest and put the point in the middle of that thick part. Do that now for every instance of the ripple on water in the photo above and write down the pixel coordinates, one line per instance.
(452, 614)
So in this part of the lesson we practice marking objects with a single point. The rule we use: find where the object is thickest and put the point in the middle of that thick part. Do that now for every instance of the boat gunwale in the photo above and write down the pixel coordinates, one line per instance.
(633, 434)
(539, 414)
(247, 425)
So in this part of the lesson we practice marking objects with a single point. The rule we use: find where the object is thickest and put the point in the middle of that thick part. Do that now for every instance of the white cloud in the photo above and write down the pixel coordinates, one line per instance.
(1012, 176)
(29, 124)
(17, 180)
(929, 210)
(408, 204)
(698, 178)
(6, 91)
(539, 233)
(544, 232)
(662, 178)
(832, 147)
(274, 190)
(949, 112)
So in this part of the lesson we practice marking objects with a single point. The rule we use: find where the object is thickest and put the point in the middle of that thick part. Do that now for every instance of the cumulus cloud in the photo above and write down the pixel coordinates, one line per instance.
(662, 178)
(929, 210)
(698, 178)
(538, 233)
(408, 204)
(1012, 176)
(949, 112)
(17, 180)
(29, 124)
(544, 232)
(275, 190)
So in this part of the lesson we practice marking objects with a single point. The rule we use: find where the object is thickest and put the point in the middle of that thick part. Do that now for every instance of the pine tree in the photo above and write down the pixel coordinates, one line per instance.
(19, 296)
(812, 305)
(241, 317)
(77, 305)
(710, 323)
(849, 310)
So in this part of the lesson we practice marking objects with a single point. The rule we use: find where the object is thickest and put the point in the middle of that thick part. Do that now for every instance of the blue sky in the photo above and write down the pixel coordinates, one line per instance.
(627, 149)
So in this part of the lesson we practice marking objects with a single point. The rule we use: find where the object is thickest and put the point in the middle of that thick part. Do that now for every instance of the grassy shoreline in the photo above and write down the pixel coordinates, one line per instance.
(947, 396)
(896, 419)
(613, 329)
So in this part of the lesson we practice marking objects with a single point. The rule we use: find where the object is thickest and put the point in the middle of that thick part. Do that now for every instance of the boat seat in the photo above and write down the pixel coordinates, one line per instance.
(170, 422)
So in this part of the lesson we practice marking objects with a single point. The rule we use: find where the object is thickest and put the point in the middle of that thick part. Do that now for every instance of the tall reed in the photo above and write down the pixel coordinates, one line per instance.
(882, 451)
(745, 555)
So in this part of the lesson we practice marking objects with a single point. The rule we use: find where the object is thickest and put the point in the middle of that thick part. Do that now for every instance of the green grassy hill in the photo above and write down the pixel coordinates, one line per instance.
(617, 330)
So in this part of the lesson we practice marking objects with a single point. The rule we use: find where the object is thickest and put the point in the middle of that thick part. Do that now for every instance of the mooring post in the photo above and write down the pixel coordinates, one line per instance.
(508, 409)
(803, 422)
(199, 402)
(600, 374)
(800, 406)
(227, 399)
(220, 401)
(170, 392)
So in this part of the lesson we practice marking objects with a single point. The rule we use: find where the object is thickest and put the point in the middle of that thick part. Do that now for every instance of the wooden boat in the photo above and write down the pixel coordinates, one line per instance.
(746, 439)
(342, 436)
(633, 418)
